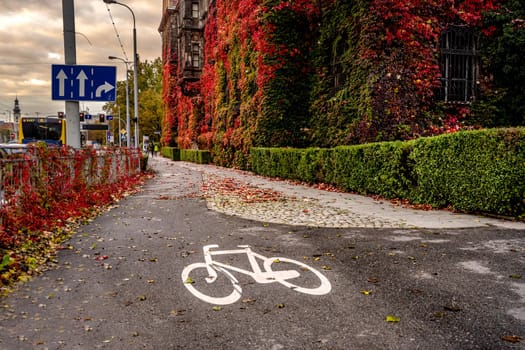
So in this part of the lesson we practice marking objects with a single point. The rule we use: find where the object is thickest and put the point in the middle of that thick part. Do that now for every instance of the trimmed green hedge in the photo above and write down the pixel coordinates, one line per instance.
(188, 155)
(170, 153)
(195, 156)
(277, 162)
(472, 171)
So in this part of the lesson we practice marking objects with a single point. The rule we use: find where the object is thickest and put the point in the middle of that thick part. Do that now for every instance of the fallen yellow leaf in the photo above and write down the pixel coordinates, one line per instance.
(391, 318)
(366, 292)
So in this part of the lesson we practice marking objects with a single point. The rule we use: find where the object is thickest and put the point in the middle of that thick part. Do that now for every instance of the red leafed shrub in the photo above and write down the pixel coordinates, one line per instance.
(51, 186)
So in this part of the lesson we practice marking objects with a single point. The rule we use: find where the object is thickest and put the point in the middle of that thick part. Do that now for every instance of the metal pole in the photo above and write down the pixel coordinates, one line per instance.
(70, 57)
(135, 83)
(135, 71)
(128, 121)
(118, 133)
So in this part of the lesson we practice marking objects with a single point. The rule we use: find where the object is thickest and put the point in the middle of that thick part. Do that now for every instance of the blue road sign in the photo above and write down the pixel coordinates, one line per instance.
(83, 83)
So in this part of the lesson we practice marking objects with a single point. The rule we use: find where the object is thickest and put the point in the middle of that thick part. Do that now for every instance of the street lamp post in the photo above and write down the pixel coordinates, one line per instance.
(135, 71)
(119, 127)
(128, 123)
(119, 139)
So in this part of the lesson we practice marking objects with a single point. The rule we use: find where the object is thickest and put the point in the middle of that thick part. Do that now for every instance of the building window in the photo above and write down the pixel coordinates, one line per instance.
(459, 64)
(194, 10)
(195, 54)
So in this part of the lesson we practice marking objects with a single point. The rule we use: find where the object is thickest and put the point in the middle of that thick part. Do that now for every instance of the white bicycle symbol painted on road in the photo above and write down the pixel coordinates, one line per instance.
(209, 269)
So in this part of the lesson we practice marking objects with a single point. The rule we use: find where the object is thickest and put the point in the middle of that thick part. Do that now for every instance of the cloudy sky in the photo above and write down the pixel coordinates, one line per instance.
(31, 40)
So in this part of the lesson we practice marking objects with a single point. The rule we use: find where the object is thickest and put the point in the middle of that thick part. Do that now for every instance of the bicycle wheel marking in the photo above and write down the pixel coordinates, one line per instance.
(226, 300)
(293, 278)
(322, 289)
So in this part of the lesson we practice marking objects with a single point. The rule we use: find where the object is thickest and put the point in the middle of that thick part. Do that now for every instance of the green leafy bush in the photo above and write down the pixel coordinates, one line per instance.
(195, 156)
(315, 164)
(276, 162)
(379, 168)
(172, 153)
(472, 171)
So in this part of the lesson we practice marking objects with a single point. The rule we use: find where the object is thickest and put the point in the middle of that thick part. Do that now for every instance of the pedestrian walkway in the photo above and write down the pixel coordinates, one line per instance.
(296, 204)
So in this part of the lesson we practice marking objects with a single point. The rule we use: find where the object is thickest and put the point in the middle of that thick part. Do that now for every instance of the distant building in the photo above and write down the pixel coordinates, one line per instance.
(16, 118)
(182, 28)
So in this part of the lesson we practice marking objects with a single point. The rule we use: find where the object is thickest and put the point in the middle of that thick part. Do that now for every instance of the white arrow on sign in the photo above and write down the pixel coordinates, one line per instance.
(82, 77)
(104, 88)
(61, 76)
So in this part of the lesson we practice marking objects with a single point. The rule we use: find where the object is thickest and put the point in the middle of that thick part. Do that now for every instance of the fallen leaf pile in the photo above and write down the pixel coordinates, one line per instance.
(244, 192)
(404, 203)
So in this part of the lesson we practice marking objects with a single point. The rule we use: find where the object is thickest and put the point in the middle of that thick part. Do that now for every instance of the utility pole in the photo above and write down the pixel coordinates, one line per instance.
(70, 57)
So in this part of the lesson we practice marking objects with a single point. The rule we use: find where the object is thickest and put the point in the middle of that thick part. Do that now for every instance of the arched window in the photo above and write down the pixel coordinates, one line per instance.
(459, 63)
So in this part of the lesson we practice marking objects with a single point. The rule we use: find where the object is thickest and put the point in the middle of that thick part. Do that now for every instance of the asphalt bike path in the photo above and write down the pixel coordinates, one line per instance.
(184, 265)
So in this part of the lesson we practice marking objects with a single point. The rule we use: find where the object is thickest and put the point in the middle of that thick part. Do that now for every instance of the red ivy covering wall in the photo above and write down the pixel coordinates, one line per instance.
(245, 51)
(400, 52)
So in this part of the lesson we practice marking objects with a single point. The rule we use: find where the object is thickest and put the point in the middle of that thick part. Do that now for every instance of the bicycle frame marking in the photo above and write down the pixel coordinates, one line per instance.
(257, 274)
(267, 276)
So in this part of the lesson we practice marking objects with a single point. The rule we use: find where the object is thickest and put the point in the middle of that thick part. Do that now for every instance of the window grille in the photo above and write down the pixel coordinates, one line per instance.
(195, 56)
(459, 64)
(194, 10)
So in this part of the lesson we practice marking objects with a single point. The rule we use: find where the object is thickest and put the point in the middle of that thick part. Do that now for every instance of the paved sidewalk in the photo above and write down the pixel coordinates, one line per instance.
(307, 206)
(119, 284)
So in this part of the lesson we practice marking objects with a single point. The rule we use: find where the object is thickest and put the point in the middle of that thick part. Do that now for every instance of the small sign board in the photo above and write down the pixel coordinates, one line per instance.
(95, 127)
(83, 83)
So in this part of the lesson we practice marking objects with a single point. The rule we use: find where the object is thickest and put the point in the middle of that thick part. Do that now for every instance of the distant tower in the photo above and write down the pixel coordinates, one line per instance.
(16, 116)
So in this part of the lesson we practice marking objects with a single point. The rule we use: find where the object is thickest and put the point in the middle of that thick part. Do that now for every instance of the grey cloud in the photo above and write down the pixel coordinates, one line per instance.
(24, 49)
(48, 8)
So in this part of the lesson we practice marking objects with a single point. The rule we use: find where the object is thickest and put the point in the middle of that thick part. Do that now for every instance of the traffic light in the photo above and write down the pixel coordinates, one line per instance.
(101, 118)
(61, 115)
(81, 115)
